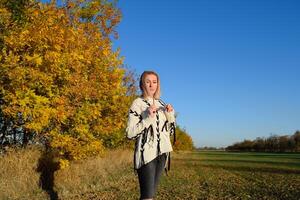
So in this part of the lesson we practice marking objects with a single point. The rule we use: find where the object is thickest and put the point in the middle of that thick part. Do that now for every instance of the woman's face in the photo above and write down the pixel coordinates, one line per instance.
(150, 84)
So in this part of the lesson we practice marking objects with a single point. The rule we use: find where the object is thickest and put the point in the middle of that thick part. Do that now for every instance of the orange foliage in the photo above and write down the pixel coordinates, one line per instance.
(59, 71)
(183, 140)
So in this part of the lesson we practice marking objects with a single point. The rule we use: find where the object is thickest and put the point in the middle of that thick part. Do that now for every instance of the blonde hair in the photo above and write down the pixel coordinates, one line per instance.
(142, 84)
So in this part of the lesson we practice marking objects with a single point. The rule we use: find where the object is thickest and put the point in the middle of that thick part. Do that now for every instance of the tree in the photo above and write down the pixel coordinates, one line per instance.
(273, 143)
(296, 141)
(60, 74)
(183, 140)
(259, 144)
(283, 143)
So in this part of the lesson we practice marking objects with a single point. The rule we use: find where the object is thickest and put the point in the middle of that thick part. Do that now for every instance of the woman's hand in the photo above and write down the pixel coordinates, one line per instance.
(169, 108)
(152, 110)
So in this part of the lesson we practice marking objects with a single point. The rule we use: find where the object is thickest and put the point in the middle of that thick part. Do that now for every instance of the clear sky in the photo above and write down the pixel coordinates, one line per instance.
(230, 68)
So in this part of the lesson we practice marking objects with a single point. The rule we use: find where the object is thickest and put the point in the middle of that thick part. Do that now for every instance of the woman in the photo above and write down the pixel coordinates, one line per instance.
(150, 122)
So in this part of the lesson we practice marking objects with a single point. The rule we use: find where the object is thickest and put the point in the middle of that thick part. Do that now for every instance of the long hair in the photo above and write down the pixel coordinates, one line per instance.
(142, 84)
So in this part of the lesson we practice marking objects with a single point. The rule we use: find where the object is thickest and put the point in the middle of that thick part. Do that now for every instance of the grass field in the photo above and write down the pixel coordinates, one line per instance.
(193, 175)
(215, 175)
(222, 175)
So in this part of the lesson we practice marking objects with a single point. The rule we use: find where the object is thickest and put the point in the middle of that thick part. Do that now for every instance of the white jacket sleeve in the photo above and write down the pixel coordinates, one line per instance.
(171, 121)
(170, 116)
(138, 120)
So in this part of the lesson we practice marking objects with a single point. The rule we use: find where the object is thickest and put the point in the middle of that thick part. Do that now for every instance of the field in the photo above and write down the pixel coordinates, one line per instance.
(193, 175)
(222, 175)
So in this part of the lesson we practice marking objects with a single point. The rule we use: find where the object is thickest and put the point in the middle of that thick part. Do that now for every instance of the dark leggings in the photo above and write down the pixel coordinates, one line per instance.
(149, 176)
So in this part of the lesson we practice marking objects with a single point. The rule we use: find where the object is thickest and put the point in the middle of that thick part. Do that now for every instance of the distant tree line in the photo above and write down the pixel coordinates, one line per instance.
(274, 143)
(206, 148)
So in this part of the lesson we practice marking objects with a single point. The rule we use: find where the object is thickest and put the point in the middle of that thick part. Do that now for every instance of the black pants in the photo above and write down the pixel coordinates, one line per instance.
(149, 176)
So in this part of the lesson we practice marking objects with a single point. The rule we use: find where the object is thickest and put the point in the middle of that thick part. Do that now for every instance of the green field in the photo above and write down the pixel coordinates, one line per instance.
(193, 175)
(222, 175)
(215, 175)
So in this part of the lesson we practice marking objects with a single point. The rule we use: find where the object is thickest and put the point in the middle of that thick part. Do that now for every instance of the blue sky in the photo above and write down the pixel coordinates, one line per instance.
(230, 68)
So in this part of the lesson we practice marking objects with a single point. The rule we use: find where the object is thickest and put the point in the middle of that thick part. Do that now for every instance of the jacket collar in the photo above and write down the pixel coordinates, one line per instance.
(149, 99)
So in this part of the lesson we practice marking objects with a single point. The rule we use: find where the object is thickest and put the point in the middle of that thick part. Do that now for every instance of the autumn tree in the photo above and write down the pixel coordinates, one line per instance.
(183, 140)
(61, 76)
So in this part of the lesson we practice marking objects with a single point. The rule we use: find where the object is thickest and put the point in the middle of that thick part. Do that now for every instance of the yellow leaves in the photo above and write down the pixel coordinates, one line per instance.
(80, 57)
(9, 59)
(72, 148)
(57, 47)
(60, 140)
(3, 10)
(83, 131)
(63, 73)
(36, 59)
(29, 97)
(35, 13)
(105, 52)
(4, 16)
(63, 163)
(34, 108)
(183, 140)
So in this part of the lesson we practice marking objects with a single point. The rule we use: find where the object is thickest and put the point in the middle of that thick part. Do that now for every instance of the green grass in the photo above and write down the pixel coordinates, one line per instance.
(195, 175)
(224, 175)
(214, 175)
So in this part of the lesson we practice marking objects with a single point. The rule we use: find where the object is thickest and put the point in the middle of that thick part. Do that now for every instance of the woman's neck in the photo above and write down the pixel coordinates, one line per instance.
(148, 97)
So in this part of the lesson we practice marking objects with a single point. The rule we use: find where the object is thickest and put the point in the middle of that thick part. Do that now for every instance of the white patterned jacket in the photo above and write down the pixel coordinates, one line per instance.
(152, 134)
